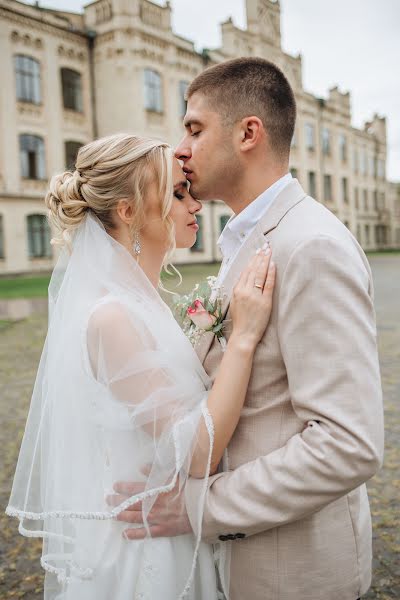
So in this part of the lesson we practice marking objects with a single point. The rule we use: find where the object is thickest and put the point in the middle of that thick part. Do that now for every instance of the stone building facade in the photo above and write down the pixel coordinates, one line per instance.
(68, 78)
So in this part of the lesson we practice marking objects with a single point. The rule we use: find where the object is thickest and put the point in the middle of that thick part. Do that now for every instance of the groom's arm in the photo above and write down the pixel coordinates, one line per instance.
(327, 335)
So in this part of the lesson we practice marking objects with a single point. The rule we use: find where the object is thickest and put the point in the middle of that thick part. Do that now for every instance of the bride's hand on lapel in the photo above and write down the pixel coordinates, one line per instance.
(251, 302)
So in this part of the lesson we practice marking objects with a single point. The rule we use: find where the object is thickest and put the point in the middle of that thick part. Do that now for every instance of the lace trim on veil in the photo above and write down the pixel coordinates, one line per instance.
(87, 573)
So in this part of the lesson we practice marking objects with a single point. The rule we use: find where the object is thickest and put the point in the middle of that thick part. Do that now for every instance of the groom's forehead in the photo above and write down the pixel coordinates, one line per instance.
(198, 113)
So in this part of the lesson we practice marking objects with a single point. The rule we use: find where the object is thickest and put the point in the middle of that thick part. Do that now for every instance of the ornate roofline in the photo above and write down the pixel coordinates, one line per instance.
(29, 21)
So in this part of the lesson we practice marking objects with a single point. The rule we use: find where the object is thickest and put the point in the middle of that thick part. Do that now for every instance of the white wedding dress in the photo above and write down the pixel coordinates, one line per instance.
(119, 392)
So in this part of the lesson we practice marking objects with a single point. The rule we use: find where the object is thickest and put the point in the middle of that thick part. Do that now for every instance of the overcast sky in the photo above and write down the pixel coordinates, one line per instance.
(351, 43)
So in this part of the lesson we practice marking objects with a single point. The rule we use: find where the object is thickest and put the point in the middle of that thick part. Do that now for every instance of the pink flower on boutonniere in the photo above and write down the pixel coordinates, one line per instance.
(200, 316)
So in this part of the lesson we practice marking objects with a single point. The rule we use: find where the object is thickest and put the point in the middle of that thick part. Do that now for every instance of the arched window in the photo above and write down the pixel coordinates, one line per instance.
(1, 237)
(27, 75)
(32, 157)
(71, 151)
(153, 91)
(71, 82)
(39, 236)
(199, 243)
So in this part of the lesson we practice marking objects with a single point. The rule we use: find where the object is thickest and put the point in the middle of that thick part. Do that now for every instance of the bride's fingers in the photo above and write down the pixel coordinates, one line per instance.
(115, 499)
(258, 275)
(270, 281)
(130, 516)
(129, 488)
(246, 272)
(141, 532)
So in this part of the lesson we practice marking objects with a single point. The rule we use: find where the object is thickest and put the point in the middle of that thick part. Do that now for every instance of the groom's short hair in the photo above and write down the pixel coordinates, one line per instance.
(245, 87)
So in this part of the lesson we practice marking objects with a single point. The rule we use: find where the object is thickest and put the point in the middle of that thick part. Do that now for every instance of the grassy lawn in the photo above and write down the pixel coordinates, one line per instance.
(24, 287)
(36, 285)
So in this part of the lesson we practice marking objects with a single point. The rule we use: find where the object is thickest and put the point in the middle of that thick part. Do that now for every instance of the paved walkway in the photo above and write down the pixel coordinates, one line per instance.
(20, 347)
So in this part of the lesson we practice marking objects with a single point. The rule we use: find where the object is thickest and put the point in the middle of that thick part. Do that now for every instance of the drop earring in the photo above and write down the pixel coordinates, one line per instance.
(137, 246)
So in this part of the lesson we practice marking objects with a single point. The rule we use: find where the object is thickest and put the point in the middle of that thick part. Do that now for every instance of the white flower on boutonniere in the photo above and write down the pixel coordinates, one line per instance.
(201, 311)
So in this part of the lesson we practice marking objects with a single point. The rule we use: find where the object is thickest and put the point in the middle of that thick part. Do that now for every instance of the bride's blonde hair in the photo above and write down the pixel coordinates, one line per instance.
(107, 170)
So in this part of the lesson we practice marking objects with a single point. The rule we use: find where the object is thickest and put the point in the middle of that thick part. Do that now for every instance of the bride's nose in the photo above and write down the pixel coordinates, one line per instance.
(194, 205)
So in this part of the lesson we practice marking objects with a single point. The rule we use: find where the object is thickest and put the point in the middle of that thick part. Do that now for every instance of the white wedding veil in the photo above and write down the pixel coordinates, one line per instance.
(119, 395)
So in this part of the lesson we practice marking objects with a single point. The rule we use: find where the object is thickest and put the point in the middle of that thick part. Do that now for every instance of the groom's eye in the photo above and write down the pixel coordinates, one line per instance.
(194, 133)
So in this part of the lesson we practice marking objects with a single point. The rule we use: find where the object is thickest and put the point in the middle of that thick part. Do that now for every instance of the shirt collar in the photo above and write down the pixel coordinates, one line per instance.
(240, 226)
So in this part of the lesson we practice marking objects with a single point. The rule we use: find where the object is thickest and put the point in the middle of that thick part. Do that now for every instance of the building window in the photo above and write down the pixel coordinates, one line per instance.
(355, 161)
(199, 243)
(294, 172)
(326, 142)
(380, 235)
(327, 188)
(1, 237)
(153, 91)
(372, 166)
(38, 237)
(359, 234)
(343, 147)
(365, 195)
(223, 221)
(27, 74)
(183, 86)
(367, 234)
(381, 169)
(381, 203)
(310, 136)
(31, 150)
(345, 194)
(375, 201)
(71, 152)
(363, 166)
(71, 82)
(312, 188)
(293, 143)
(356, 200)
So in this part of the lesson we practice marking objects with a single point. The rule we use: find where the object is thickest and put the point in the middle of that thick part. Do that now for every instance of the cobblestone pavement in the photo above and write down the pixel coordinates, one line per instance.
(20, 346)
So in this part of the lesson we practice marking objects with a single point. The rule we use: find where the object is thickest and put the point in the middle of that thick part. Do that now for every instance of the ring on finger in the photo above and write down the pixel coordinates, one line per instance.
(259, 286)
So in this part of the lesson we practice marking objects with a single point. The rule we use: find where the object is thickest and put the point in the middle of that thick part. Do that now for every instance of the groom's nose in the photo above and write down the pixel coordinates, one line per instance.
(182, 151)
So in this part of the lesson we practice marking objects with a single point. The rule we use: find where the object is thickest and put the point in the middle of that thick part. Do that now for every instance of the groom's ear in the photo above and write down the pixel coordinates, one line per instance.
(251, 133)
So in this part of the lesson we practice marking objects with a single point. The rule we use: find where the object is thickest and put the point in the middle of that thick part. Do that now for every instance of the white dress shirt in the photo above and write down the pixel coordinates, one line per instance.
(241, 226)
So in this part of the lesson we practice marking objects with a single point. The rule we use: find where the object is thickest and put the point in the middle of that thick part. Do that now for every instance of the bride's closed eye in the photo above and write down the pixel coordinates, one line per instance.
(178, 196)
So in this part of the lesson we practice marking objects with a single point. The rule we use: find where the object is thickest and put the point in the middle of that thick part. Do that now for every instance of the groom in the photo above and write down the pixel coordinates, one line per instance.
(289, 508)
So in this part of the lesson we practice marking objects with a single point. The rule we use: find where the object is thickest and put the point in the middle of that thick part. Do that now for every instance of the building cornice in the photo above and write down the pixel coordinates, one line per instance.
(29, 21)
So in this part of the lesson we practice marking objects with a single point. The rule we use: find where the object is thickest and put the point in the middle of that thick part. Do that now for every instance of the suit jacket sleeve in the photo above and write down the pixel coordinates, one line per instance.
(327, 334)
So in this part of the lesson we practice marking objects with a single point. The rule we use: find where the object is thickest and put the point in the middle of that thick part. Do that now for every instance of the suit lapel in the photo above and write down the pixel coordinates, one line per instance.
(291, 195)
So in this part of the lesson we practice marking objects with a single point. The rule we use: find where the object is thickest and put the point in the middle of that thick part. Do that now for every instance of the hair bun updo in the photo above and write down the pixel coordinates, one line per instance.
(67, 207)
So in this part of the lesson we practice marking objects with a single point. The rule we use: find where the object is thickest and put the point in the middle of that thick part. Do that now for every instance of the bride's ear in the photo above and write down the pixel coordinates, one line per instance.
(124, 211)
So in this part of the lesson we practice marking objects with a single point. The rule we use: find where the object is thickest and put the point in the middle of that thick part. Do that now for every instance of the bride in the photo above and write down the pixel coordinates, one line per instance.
(120, 393)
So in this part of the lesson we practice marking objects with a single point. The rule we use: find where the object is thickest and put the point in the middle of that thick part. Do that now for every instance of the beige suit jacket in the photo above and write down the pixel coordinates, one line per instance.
(311, 430)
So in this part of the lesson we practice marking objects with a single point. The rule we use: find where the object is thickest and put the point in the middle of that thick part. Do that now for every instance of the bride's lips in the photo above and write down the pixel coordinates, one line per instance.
(194, 226)
(188, 173)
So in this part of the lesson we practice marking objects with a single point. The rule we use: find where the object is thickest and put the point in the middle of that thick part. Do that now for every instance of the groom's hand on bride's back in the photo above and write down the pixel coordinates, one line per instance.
(167, 518)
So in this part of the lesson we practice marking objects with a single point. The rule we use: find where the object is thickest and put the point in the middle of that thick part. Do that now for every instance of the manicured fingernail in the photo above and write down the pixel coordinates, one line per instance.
(258, 251)
(267, 251)
(266, 245)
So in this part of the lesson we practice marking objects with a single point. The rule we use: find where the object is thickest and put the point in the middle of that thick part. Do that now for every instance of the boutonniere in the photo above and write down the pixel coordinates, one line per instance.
(201, 310)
